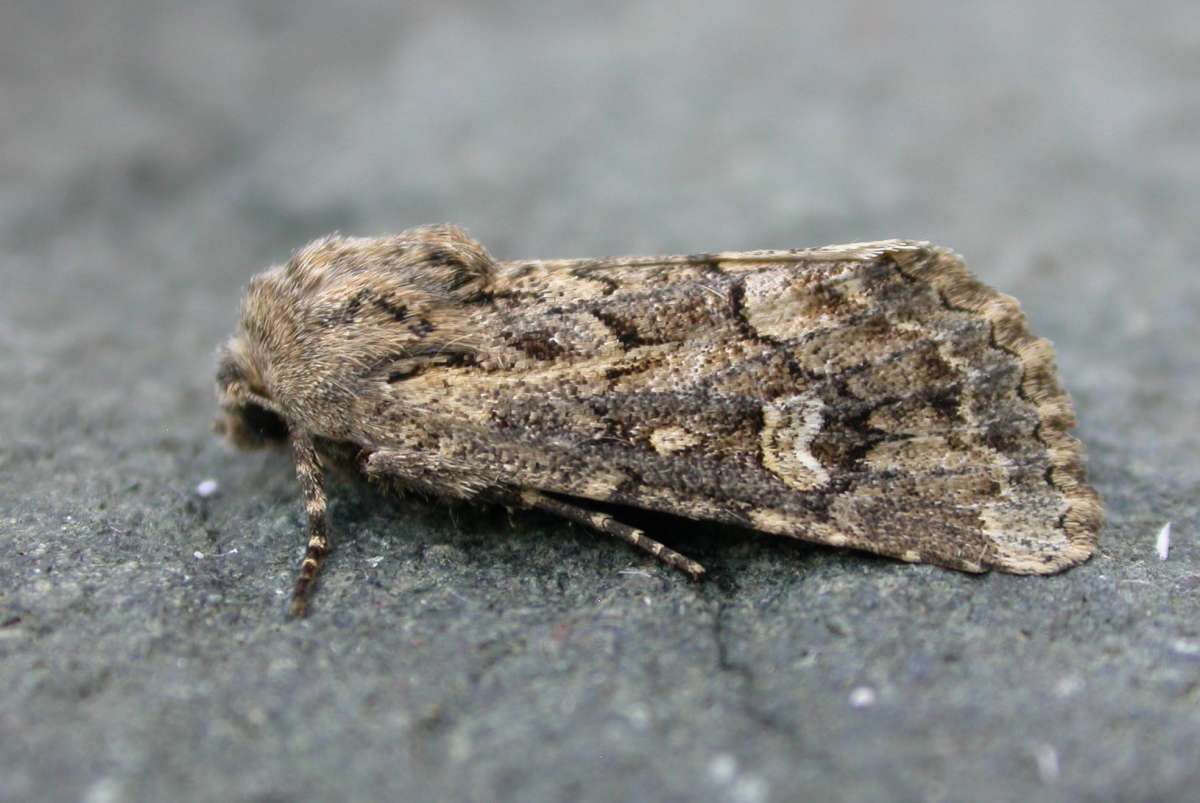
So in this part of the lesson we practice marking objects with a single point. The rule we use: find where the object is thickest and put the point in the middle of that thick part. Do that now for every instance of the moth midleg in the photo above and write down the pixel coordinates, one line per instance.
(312, 483)
(604, 523)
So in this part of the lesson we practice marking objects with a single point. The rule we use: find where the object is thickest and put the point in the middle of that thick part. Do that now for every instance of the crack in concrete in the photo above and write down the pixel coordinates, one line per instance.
(748, 687)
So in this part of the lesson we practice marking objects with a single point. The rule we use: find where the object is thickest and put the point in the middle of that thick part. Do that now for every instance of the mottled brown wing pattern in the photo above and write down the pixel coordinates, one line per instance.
(873, 396)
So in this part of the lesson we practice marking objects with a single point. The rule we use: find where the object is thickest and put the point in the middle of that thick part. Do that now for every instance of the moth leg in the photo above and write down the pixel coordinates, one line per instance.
(312, 482)
(606, 524)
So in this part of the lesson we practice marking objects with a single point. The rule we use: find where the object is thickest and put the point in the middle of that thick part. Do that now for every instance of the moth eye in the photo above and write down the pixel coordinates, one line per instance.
(263, 422)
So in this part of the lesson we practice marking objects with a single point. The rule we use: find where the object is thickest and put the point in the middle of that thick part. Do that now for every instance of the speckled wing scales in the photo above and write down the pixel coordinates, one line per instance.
(873, 396)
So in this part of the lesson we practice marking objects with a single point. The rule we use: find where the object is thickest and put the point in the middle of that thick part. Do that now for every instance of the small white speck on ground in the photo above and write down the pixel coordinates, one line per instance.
(375, 561)
(749, 789)
(635, 573)
(1184, 647)
(207, 488)
(744, 787)
(198, 555)
(723, 768)
(862, 697)
(638, 717)
(1163, 542)
(1068, 686)
(233, 551)
(105, 790)
(1047, 762)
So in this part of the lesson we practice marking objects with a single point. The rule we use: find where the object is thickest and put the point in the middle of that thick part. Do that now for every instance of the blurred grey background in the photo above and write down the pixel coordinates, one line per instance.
(153, 155)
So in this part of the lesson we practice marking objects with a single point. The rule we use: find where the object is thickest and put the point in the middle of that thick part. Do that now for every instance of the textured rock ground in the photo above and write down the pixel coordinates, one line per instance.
(154, 154)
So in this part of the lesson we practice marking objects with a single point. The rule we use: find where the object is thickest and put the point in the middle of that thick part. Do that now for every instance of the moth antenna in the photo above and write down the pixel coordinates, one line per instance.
(604, 523)
(312, 483)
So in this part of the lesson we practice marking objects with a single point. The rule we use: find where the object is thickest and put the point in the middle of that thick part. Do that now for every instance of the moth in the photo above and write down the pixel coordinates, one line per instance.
(874, 396)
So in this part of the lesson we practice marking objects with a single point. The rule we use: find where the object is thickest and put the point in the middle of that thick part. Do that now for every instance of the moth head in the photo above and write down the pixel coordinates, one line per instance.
(249, 418)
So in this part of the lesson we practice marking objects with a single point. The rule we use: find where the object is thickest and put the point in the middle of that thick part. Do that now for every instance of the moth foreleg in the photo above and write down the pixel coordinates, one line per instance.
(312, 482)
(606, 524)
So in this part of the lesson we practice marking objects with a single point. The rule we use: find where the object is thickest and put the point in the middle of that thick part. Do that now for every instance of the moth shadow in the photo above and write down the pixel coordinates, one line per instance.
(729, 554)
(361, 505)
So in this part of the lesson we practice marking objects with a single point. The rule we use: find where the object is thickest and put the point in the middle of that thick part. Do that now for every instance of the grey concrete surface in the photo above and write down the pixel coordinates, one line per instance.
(154, 154)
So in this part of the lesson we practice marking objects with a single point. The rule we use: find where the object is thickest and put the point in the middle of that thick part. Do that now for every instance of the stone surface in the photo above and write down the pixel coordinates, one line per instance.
(153, 155)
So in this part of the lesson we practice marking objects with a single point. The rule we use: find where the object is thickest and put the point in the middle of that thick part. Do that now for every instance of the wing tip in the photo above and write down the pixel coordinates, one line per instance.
(958, 288)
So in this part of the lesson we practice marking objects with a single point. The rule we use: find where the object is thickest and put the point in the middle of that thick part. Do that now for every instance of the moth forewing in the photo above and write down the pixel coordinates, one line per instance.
(872, 395)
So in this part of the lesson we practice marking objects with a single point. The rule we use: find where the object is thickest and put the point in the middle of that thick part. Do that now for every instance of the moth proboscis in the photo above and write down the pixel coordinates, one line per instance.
(874, 395)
